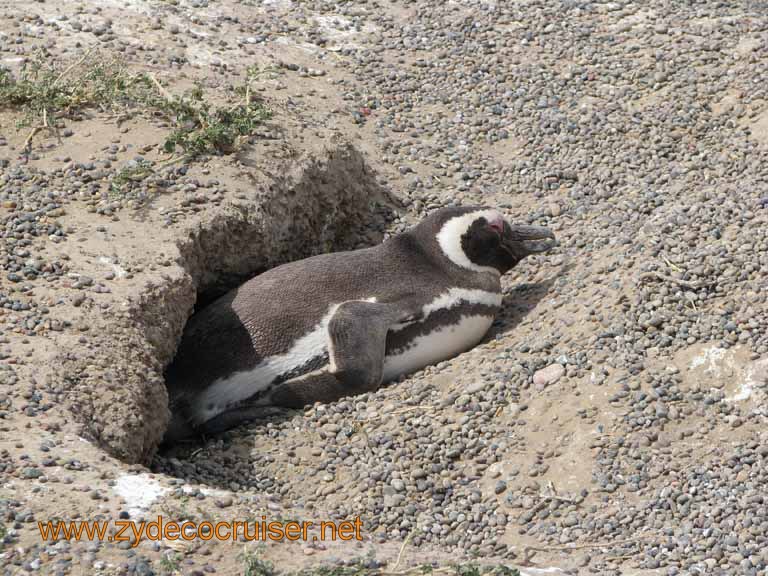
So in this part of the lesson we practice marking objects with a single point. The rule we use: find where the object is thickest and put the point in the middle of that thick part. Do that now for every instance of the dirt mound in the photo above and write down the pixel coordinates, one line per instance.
(116, 390)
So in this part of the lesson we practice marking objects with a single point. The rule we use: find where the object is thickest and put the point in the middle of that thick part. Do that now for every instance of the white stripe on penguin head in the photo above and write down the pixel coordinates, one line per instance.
(449, 239)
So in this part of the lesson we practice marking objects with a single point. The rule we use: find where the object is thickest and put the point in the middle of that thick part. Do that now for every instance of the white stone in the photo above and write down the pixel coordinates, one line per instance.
(548, 375)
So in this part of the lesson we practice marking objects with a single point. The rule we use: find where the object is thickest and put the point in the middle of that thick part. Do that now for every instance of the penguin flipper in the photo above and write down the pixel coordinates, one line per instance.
(357, 335)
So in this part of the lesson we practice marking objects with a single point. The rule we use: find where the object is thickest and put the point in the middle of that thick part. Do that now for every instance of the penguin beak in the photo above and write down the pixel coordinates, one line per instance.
(523, 241)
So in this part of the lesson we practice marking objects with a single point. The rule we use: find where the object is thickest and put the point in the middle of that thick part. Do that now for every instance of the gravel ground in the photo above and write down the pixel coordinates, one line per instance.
(614, 420)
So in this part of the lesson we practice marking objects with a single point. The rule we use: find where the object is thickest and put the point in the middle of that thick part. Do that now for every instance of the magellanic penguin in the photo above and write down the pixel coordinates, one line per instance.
(340, 324)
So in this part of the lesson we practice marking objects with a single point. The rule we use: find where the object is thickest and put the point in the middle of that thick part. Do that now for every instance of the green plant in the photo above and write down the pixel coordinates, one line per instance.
(201, 128)
(354, 570)
(467, 570)
(133, 172)
(47, 92)
(359, 569)
(503, 570)
(255, 566)
(170, 562)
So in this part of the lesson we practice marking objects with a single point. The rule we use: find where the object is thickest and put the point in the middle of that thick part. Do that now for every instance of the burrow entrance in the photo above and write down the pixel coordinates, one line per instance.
(327, 202)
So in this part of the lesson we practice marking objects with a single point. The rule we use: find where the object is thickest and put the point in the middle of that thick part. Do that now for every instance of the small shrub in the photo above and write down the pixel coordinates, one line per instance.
(47, 92)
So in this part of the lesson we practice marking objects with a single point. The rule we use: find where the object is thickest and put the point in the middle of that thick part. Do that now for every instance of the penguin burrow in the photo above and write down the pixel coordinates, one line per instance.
(343, 323)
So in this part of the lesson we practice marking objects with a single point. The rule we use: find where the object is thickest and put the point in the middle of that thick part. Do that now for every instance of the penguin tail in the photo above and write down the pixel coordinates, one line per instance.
(180, 428)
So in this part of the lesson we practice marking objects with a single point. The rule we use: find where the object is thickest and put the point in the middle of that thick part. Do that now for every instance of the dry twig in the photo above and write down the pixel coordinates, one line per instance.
(588, 546)
(396, 412)
(72, 66)
(685, 283)
(402, 549)
(27, 146)
(163, 92)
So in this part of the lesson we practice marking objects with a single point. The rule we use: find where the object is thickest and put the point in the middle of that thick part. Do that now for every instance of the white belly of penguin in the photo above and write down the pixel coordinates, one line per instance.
(425, 350)
(441, 344)
(226, 392)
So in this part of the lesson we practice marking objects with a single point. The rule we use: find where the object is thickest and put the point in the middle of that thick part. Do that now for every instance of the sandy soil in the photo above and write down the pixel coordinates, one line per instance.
(314, 179)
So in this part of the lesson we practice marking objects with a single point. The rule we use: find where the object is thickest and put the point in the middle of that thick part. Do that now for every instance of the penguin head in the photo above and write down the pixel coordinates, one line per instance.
(481, 239)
